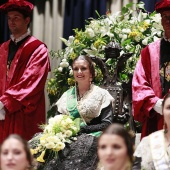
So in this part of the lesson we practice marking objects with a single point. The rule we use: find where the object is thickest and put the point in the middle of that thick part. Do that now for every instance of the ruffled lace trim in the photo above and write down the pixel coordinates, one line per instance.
(93, 102)
(143, 151)
(90, 104)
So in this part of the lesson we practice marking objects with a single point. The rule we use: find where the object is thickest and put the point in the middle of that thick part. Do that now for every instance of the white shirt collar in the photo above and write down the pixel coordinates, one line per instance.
(16, 40)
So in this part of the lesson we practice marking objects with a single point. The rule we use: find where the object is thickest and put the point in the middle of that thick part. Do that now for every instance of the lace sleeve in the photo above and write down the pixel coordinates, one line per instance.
(142, 147)
(143, 152)
(104, 120)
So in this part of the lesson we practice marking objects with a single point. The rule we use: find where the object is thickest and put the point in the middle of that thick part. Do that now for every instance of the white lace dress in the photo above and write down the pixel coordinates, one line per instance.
(96, 111)
(144, 151)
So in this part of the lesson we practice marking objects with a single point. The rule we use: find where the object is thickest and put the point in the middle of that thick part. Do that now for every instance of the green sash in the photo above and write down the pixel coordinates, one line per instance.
(72, 103)
(72, 108)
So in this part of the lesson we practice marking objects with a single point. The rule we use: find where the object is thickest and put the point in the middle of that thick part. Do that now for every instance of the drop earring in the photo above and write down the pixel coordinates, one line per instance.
(165, 128)
(91, 80)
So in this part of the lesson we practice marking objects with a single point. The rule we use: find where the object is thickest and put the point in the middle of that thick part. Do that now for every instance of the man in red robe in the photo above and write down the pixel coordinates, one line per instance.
(151, 80)
(24, 66)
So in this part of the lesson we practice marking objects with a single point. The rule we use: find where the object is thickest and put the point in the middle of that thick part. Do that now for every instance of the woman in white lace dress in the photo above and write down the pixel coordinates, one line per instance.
(153, 152)
(115, 149)
(94, 106)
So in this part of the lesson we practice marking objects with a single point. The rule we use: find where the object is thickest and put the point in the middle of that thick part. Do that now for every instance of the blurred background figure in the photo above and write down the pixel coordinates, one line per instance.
(15, 154)
(115, 149)
(154, 150)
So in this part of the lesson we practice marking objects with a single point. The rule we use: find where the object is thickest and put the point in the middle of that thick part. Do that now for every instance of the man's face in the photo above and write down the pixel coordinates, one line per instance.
(17, 23)
(166, 21)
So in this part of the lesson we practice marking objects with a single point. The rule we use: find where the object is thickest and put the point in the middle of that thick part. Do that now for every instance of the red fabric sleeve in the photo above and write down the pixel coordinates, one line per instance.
(143, 95)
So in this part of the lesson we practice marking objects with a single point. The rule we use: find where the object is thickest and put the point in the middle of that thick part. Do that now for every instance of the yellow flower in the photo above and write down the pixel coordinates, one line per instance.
(44, 137)
(73, 56)
(76, 41)
(59, 146)
(41, 157)
(52, 80)
(34, 151)
(49, 83)
(98, 43)
(52, 90)
(68, 133)
(133, 34)
(71, 81)
(146, 25)
(78, 34)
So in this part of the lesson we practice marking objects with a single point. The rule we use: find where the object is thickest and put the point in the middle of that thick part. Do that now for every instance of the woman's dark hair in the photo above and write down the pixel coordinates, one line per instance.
(26, 147)
(118, 129)
(165, 98)
(89, 61)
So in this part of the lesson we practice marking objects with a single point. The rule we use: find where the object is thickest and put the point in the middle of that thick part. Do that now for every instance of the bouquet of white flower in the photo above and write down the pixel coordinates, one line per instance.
(60, 129)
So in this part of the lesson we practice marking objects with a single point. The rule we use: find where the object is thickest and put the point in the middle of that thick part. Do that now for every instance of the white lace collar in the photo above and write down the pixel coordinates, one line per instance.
(16, 40)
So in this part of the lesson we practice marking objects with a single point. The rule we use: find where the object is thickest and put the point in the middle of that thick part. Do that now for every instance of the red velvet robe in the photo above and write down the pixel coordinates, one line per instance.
(22, 90)
(146, 89)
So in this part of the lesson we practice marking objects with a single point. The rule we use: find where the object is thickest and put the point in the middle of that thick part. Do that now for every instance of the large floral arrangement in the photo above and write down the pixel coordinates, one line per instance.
(60, 130)
(133, 28)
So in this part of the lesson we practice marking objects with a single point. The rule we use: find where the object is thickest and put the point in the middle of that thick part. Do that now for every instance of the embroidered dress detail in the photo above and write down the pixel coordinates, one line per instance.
(90, 104)
(153, 152)
(158, 151)
(93, 102)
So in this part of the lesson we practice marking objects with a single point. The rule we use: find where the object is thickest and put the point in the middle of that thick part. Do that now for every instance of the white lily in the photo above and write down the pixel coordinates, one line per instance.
(89, 32)
(145, 41)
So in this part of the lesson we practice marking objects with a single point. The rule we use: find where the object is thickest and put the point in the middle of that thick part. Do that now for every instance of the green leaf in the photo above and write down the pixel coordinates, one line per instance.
(129, 5)
(124, 10)
(97, 13)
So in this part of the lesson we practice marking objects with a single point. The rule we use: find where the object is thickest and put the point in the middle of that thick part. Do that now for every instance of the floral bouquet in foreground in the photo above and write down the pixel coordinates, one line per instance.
(60, 130)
